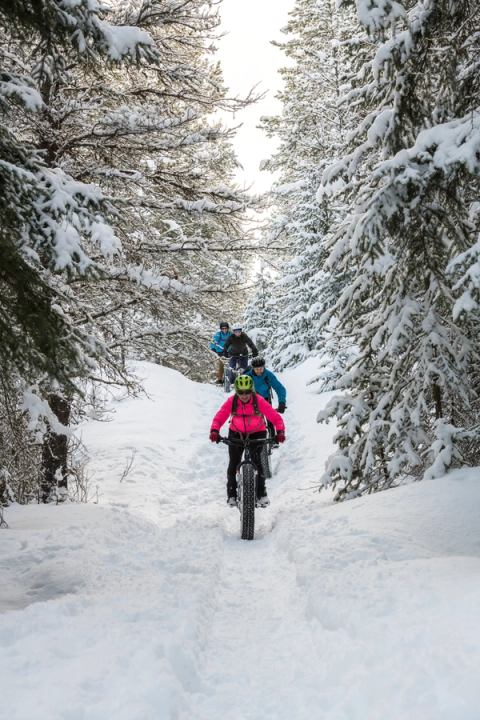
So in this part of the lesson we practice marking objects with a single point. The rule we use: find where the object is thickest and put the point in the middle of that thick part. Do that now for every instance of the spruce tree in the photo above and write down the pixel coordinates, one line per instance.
(410, 402)
(113, 178)
(308, 129)
(45, 215)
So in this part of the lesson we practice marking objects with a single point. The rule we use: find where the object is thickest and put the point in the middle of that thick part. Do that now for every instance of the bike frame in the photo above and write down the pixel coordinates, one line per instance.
(232, 371)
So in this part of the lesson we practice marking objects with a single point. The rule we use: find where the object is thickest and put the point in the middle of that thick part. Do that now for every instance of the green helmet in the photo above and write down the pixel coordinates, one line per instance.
(243, 382)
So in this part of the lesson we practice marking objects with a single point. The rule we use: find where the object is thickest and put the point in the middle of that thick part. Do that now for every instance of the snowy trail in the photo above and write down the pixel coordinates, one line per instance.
(148, 606)
(259, 660)
(258, 639)
(253, 633)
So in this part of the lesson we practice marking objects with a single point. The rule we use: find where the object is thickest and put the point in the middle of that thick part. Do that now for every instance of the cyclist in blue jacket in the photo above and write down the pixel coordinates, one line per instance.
(218, 344)
(265, 381)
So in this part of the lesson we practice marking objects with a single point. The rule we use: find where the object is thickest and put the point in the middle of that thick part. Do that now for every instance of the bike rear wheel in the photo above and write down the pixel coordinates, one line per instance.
(266, 461)
(266, 452)
(247, 498)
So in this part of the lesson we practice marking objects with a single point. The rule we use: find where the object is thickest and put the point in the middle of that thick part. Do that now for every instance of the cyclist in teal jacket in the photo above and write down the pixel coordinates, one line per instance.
(265, 381)
(217, 346)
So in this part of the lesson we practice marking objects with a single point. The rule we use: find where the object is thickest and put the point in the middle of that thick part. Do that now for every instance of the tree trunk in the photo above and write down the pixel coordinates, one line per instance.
(54, 452)
(437, 398)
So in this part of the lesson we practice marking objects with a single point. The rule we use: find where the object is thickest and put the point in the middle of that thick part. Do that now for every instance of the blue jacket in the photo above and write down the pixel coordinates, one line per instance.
(266, 381)
(219, 340)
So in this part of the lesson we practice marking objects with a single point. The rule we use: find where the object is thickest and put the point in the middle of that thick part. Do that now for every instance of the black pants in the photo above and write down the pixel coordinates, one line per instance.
(235, 452)
(237, 361)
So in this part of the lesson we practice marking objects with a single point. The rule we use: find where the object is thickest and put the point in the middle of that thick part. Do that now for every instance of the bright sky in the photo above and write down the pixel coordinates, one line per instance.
(249, 59)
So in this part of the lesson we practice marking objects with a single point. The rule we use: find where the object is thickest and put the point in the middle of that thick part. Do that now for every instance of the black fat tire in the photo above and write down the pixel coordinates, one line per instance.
(266, 462)
(247, 502)
(226, 381)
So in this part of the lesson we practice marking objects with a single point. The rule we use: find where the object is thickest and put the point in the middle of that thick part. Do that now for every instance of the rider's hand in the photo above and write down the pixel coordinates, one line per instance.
(280, 436)
(214, 436)
(281, 407)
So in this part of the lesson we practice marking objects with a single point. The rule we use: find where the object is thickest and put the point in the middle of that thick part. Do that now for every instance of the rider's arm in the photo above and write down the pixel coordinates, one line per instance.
(223, 414)
(271, 414)
(215, 345)
(251, 345)
(278, 387)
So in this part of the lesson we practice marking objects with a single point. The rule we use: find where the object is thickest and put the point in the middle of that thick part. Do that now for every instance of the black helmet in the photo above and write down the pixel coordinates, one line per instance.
(224, 324)
(258, 361)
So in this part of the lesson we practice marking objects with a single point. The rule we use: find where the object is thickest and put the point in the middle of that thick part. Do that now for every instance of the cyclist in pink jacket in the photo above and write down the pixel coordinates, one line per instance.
(247, 412)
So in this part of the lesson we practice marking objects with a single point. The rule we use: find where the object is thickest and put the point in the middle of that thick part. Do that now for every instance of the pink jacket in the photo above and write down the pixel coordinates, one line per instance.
(245, 420)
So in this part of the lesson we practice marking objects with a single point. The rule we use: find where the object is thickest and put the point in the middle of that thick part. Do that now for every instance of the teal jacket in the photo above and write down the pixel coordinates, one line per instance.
(219, 340)
(266, 382)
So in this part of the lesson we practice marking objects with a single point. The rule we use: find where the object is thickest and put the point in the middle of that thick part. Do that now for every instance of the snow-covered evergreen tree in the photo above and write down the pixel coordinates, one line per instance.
(47, 217)
(410, 402)
(146, 137)
(309, 129)
(116, 180)
(53, 227)
(261, 309)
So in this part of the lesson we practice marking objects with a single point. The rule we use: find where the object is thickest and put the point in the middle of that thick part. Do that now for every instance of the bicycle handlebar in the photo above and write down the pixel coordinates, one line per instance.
(245, 441)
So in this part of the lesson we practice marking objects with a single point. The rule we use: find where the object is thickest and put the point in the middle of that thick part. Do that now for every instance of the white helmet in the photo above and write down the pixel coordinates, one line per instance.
(236, 326)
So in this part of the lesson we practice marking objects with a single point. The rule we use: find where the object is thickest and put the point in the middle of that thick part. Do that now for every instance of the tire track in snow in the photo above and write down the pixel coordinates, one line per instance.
(258, 641)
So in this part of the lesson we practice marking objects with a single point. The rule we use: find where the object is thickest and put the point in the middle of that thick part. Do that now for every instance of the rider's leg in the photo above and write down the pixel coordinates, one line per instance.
(232, 363)
(235, 455)
(256, 450)
(219, 372)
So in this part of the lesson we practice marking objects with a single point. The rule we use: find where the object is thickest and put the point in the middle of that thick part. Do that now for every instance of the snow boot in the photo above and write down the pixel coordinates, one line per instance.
(262, 497)
(232, 492)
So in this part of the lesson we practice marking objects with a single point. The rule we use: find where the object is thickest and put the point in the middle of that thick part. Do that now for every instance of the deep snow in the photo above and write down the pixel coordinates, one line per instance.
(148, 606)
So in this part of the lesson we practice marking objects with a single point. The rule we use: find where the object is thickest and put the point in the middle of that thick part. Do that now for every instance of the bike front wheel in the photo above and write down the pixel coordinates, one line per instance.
(226, 383)
(247, 496)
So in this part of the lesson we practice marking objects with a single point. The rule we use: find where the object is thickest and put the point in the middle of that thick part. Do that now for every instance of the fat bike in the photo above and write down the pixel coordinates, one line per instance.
(247, 474)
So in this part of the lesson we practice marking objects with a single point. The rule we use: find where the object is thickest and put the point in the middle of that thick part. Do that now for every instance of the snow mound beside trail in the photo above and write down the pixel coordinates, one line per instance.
(102, 613)
(391, 585)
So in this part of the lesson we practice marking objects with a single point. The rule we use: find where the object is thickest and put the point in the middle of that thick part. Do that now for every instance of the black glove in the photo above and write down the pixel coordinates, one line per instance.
(214, 436)
(281, 407)
(280, 436)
